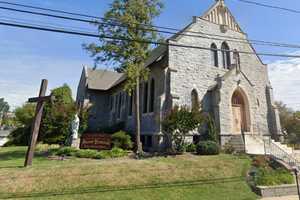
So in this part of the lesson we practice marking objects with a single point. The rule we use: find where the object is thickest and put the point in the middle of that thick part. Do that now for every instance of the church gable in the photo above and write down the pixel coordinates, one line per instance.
(220, 14)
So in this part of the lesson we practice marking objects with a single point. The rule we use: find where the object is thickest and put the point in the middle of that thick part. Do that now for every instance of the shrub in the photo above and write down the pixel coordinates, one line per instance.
(265, 177)
(208, 148)
(88, 153)
(66, 151)
(114, 153)
(46, 147)
(190, 147)
(122, 140)
(229, 149)
(212, 131)
(177, 124)
(260, 162)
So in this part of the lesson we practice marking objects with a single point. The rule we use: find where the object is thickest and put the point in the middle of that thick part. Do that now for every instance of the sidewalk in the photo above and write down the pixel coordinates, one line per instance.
(282, 198)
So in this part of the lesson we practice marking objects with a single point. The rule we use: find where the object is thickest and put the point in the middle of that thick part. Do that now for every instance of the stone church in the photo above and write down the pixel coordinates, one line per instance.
(233, 86)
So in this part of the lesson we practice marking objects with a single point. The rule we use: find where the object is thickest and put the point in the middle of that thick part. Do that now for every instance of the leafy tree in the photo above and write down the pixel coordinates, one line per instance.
(4, 108)
(290, 123)
(23, 121)
(57, 116)
(130, 21)
(178, 123)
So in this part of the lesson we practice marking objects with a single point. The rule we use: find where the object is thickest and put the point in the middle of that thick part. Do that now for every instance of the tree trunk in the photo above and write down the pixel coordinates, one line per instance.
(139, 148)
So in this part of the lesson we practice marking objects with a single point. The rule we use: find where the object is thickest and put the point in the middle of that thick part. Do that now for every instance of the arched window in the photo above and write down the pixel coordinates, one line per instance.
(152, 95)
(195, 100)
(226, 55)
(214, 55)
(145, 110)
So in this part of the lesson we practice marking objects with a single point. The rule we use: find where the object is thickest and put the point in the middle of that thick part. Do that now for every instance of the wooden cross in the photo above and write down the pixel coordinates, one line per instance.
(41, 99)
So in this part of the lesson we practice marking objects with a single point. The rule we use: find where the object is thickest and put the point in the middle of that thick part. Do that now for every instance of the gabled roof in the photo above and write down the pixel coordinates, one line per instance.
(220, 14)
(99, 79)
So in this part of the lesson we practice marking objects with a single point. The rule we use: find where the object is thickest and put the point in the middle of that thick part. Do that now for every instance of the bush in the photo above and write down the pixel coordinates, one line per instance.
(114, 153)
(208, 148)
(177, 124)
(122, 140)
(229, 149)
(46, 147)
(268, 172)
(66, 151)
(190, 147)
(261, 162)
(265, 177)
(88, 153)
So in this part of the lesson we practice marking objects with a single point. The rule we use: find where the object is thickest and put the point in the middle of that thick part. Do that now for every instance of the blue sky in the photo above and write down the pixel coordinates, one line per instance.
(27, 56)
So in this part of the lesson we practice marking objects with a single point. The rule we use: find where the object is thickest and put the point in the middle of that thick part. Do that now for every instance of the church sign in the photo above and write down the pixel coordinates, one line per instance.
(96, 141)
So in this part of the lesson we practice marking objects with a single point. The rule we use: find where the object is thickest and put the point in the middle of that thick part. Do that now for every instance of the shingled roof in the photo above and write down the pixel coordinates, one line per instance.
(99, 79)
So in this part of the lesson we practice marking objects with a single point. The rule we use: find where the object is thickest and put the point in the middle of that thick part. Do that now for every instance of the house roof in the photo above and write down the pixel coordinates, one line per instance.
(220, 14)
(100, 79)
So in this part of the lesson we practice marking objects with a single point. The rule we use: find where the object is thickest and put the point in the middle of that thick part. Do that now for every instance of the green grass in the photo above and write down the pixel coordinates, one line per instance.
(183, 177)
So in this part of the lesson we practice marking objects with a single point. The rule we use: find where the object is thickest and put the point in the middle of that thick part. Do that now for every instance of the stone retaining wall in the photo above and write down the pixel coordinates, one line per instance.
(277, 191)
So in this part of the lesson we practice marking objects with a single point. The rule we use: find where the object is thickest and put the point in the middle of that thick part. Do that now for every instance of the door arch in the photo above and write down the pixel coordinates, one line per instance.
(240, 112)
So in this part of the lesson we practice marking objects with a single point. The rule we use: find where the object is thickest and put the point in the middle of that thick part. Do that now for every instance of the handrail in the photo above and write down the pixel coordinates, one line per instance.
(278, 153)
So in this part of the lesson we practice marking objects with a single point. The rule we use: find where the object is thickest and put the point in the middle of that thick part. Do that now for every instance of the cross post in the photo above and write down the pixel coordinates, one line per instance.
(41, 99)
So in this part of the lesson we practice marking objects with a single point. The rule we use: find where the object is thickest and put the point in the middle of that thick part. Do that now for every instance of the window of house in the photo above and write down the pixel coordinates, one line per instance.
(111, 102)
(130, 105)
(116, 102)
(226, 55)
(152, 95)
(145, 103)
(119, 105)
(214, 55)
(195, 100)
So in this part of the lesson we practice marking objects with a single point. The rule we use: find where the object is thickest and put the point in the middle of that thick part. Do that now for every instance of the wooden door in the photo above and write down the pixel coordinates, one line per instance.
(237, 119)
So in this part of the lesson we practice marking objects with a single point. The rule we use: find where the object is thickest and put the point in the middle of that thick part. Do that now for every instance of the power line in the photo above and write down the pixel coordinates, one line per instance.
(243, 41)
(61, 30)
(270, 6)
(257, 42)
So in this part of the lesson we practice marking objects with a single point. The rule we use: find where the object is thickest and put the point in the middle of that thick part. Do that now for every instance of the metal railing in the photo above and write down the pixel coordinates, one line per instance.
(274, 150)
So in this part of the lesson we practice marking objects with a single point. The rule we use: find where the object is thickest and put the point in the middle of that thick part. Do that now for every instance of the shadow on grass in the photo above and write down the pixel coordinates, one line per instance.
(13, 157)
(89, 190)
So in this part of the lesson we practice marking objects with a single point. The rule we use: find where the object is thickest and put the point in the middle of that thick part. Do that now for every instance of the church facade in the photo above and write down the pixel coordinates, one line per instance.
(210, 60)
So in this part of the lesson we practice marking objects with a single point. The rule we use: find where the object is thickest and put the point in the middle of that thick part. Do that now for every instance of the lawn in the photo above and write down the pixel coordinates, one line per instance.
(182, 177)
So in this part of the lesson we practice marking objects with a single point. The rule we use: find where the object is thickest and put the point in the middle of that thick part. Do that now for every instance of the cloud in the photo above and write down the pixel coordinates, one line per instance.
(285, 78)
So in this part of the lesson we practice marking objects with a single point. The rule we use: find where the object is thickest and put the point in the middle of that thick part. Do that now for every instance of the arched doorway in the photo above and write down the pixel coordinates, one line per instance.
(240, 112)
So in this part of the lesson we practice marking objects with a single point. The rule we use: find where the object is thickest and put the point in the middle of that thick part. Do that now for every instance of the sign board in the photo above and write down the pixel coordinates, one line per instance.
(96, 141)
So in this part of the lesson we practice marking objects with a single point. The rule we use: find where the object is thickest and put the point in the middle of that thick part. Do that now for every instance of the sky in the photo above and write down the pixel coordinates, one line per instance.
(27, 56)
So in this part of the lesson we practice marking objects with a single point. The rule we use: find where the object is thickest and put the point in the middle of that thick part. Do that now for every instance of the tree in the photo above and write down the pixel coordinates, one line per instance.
(23, 120)
(129, 20)
(290, 123)
(57, 116)
(178, 123)
(4, 108)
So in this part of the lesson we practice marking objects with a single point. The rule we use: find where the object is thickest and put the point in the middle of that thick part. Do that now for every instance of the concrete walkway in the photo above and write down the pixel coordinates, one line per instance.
(282, 198)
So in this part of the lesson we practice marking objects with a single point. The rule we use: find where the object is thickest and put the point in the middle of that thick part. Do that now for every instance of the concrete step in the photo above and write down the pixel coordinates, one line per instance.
(237, 143)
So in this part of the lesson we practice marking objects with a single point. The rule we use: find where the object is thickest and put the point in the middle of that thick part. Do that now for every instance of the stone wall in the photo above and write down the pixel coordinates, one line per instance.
(193, 69)
(277, 191)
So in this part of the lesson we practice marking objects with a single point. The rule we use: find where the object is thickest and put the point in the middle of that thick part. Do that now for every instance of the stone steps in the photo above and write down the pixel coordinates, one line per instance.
(237, 143)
